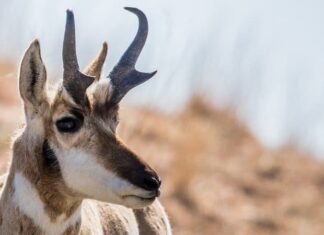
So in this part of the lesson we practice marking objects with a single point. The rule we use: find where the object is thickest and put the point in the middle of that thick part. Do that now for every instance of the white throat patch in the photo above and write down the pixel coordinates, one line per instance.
(27, 199)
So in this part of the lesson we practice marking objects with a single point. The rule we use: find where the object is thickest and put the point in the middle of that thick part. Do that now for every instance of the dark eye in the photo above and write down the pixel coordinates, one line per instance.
(68, 124)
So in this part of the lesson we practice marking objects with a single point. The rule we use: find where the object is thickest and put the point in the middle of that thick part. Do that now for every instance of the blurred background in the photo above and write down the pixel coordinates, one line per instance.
(234, 119)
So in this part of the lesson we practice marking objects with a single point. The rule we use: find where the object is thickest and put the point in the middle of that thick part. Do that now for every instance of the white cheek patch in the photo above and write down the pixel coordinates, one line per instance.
(82, 173)
(27, 199)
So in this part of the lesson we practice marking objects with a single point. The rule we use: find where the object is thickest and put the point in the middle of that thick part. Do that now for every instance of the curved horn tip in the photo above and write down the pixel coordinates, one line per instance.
(133, 10)
(152, 74)
(143, 77)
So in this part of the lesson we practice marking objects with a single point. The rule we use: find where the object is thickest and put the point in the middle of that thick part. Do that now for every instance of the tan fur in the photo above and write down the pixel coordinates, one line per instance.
(94, 69)
(61, 205)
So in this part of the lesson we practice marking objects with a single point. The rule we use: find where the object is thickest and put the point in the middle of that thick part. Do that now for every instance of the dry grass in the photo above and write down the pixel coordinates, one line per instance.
(217, 178)
(10, 113)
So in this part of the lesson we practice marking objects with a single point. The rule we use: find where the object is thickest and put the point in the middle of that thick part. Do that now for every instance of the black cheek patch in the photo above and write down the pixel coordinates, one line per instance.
(50, 163)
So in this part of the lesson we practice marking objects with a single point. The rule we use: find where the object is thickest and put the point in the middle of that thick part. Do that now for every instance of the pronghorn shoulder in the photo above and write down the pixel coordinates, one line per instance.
(111, 218)
(115, 218)
(153, 219)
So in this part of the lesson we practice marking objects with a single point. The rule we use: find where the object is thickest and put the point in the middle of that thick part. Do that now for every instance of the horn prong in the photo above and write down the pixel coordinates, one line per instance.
(95, 67)
(124, 76)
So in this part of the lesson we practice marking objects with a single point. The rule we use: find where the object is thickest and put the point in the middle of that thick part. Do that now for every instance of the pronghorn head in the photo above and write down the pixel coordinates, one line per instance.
(77, 126)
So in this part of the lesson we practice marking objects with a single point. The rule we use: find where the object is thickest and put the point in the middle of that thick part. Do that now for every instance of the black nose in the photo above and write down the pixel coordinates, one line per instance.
(151, 183)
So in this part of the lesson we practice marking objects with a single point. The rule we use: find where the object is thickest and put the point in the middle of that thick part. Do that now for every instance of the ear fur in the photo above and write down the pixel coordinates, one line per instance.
(32, 80)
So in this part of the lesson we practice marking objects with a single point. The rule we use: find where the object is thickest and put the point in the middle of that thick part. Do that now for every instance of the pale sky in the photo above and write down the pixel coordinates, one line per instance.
(266, 58)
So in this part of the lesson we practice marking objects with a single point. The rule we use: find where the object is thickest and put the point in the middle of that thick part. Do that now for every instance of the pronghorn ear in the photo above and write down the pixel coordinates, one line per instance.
(32, 80)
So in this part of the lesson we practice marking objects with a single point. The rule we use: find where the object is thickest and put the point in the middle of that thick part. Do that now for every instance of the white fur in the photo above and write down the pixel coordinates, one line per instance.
(165, 219)
(82, 173)
(101, 90)
(91, 217)
(27, 199)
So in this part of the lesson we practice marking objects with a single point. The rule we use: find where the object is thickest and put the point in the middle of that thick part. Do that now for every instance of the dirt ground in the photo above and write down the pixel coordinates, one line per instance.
(217, 178)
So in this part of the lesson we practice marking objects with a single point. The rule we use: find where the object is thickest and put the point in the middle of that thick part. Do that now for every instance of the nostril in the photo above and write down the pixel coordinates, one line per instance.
(151, 183)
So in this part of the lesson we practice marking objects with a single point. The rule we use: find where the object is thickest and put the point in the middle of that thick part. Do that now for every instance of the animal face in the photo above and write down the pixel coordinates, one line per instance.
(77, 126)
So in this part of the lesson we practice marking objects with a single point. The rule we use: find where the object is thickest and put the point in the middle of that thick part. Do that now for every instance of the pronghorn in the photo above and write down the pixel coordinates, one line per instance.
(70, 174)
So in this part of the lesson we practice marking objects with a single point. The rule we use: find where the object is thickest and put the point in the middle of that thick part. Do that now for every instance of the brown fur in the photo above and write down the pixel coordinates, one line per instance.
(36, 161)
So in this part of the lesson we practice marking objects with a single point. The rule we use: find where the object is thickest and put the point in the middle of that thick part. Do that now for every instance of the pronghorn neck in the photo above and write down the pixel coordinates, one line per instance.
(34, 203)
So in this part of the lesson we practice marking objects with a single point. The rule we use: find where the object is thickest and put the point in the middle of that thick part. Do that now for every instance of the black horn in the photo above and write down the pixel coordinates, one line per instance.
(124, 76)
(70, 60)
(74, 81)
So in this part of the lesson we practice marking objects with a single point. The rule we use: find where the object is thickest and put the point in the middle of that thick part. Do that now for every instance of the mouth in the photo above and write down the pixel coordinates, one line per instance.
(146, 198)
(143, 199)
